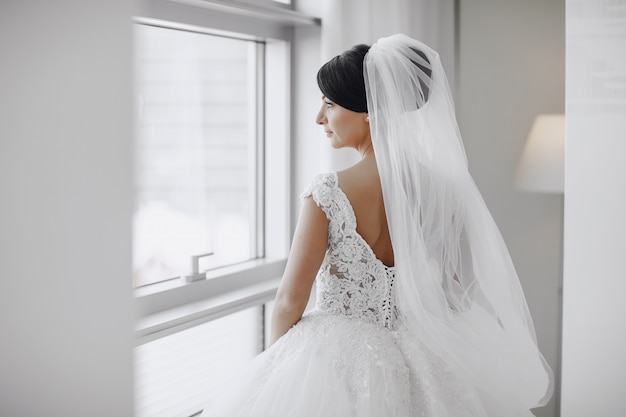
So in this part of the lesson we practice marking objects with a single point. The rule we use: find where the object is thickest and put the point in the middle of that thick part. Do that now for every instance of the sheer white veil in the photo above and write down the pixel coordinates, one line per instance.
(457, 288)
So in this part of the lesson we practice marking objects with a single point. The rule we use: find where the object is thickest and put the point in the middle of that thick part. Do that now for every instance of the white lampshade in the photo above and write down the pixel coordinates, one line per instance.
(542, 165)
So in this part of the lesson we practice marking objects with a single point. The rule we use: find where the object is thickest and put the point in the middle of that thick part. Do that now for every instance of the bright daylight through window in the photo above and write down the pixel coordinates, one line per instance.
(196, 152)
(212, 176)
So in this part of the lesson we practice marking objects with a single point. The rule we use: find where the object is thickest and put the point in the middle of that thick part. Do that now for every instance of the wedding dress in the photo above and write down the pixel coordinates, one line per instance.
(351, 355)
(446, 332)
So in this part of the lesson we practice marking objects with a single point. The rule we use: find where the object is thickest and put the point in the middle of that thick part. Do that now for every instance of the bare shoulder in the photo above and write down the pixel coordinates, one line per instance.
(361, 184)
(360, 180)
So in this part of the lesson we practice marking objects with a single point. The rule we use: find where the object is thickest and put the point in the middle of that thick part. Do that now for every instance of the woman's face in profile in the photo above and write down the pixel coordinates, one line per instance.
(343, 127)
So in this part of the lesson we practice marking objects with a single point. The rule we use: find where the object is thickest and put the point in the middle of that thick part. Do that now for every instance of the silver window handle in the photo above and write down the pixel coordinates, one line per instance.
(195, 275)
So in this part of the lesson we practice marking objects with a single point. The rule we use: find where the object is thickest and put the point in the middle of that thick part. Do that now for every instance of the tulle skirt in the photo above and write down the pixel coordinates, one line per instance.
(328, 365)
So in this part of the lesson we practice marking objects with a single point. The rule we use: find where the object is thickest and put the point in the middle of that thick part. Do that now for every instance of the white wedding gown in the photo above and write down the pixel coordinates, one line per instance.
(351, 355)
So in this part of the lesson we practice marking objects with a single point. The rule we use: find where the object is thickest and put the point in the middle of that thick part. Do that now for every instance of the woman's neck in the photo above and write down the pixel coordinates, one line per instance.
(366, 150)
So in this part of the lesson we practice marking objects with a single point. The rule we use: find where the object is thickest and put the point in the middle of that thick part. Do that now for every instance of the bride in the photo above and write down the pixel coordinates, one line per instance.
(419, 311)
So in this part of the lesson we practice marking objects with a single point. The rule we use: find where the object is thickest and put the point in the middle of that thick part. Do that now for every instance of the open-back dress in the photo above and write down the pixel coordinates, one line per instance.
(351, 355)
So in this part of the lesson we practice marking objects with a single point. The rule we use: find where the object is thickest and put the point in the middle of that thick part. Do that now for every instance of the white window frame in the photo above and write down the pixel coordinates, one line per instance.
(168, 307)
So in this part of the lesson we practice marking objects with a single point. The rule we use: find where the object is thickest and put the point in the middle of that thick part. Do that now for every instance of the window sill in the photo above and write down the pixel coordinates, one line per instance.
(172, 306)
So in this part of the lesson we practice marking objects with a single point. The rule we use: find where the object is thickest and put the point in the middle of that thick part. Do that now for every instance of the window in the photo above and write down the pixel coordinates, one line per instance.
(212, 164)
(197, 166)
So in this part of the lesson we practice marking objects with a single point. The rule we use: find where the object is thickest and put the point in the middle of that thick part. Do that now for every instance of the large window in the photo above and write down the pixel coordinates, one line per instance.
(198, 169)
(212, 176)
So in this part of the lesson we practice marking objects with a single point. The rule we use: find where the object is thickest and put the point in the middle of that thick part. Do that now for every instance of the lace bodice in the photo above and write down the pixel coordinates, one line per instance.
(351, 281)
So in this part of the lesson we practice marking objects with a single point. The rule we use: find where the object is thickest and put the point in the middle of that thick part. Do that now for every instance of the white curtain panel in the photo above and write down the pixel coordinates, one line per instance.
(346, 23)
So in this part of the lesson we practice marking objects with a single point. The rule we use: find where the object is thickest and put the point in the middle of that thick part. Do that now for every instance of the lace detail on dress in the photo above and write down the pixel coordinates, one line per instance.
(351, 280)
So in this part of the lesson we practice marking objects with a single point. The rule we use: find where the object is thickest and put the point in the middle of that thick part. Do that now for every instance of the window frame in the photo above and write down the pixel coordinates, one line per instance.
(173, 305)
(255, 152)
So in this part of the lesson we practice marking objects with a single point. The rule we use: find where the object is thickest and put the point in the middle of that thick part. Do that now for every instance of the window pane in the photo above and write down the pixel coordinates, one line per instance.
(178, 374)
(195, 152)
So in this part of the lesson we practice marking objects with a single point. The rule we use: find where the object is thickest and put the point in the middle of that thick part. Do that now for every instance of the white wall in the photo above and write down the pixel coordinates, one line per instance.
(65, 187)
(510, 68)
(594, 329)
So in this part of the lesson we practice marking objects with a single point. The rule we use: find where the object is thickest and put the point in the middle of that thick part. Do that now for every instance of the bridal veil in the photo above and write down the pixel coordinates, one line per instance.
(457, 288)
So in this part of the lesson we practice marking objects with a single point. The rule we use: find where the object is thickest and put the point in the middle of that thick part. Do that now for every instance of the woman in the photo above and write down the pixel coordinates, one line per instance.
(419, 311)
